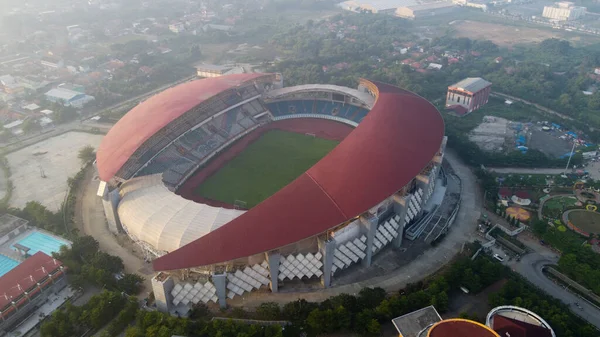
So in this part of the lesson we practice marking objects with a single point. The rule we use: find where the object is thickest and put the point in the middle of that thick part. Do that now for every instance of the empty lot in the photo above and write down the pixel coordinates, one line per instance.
(39, 172)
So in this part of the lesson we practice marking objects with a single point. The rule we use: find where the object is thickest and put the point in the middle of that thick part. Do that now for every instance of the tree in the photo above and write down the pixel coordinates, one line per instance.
(130, 284)
(268, 311)
(86, 154)
(30, 125)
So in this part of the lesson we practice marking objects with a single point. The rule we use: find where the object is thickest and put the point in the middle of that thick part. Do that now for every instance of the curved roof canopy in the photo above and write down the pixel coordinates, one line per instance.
(164, 220)
(143, 121)
(393, 143)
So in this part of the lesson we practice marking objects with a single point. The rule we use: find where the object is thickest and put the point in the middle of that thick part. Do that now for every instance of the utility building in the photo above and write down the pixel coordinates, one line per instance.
(468, 95)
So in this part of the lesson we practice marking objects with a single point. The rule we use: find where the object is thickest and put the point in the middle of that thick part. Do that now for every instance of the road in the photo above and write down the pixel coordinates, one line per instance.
(593, 168)
(94, 223)
(531, 266)
(539, 107)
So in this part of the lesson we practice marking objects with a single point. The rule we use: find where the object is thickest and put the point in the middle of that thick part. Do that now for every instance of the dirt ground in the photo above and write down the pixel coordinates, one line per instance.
(39, 172)
(549, 142)
(506, 35)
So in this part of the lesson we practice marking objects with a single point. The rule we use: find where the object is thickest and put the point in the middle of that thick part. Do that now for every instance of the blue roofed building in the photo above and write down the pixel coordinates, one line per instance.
(68, 97)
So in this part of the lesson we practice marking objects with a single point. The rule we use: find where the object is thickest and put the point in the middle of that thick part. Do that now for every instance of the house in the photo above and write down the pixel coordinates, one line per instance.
(14, 127)
(504, 193)
(177, 27)
(435, 66)
(51, 62)
(68, 97)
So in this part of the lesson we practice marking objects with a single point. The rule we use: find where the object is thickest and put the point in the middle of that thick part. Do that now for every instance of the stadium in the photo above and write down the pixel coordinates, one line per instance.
(235, 184)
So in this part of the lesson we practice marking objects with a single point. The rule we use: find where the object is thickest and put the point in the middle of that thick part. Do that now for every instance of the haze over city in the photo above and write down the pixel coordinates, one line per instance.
(299, 168)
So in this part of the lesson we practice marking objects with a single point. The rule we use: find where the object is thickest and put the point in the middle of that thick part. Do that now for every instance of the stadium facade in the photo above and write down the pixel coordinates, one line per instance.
(358, 199)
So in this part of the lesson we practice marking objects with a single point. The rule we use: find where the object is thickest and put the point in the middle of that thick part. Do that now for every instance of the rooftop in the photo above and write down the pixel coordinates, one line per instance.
(460, 327)
(9, 222)
(472, 84)
(64, 94)
(411, 324)
(21, 278)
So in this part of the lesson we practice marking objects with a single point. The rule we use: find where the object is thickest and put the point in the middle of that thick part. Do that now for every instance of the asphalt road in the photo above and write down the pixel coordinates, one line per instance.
(531, 266)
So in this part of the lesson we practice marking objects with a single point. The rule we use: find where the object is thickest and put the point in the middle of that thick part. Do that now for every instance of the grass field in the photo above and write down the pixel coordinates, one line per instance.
(586, 220)
(264, 167)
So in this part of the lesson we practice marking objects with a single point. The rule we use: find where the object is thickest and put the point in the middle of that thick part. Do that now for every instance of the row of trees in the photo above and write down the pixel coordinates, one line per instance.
(363, 313)
(88, 265)
(75, 320)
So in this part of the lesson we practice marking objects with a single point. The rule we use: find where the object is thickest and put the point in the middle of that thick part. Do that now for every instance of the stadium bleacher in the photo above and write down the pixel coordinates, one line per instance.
(187, 148)
(347, 111)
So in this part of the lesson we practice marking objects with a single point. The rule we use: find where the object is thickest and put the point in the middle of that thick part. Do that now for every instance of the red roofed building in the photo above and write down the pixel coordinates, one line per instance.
(28, 285)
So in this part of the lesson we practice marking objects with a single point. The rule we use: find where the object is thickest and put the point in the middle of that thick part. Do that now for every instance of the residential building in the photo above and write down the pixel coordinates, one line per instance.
(52, 62)
(177, 27)
(14, 127)
(563, 11)
(376, 6)
(468, 95)
(424, 10)
(68, 97)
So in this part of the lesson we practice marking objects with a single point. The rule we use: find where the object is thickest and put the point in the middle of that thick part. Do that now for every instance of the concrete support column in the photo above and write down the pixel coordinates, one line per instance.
(162, 285)
(327, 249)
(369, 228)
(220, 282)
(401, 208)
(110, 202)
(273, 259)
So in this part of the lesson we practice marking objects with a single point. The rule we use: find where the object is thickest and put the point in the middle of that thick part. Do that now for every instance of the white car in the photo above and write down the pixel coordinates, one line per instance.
(498, 257)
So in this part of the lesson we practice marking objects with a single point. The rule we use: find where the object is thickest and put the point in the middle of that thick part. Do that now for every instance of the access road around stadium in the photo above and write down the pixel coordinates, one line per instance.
(94, 224)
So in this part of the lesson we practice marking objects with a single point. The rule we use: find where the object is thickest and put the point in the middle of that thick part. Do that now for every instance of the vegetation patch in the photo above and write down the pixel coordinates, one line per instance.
(264, 167)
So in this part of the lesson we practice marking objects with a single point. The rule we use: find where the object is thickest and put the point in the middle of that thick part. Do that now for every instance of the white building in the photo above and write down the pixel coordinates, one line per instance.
(563, 11)
(375, 6)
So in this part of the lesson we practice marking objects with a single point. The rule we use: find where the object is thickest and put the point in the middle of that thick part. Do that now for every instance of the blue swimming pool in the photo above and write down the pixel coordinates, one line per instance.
(40, 242)
(6, 264)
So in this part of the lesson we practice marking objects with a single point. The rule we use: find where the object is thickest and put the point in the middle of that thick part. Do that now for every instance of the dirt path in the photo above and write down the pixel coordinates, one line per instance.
(93, 222)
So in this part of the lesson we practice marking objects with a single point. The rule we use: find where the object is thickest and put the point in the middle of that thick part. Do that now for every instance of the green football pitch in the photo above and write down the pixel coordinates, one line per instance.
(264, 167)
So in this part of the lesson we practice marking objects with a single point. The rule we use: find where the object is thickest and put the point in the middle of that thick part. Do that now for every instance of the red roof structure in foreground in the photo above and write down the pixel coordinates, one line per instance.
(24, 276)
(460, 328)
(392, 144)
(506, 326)
(143, 121)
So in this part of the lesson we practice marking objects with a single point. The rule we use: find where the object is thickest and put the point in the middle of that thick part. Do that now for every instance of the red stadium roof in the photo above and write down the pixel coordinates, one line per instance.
(24, 276)
(393, 143)
(507, 326)
(457, 327)
(143, 121)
